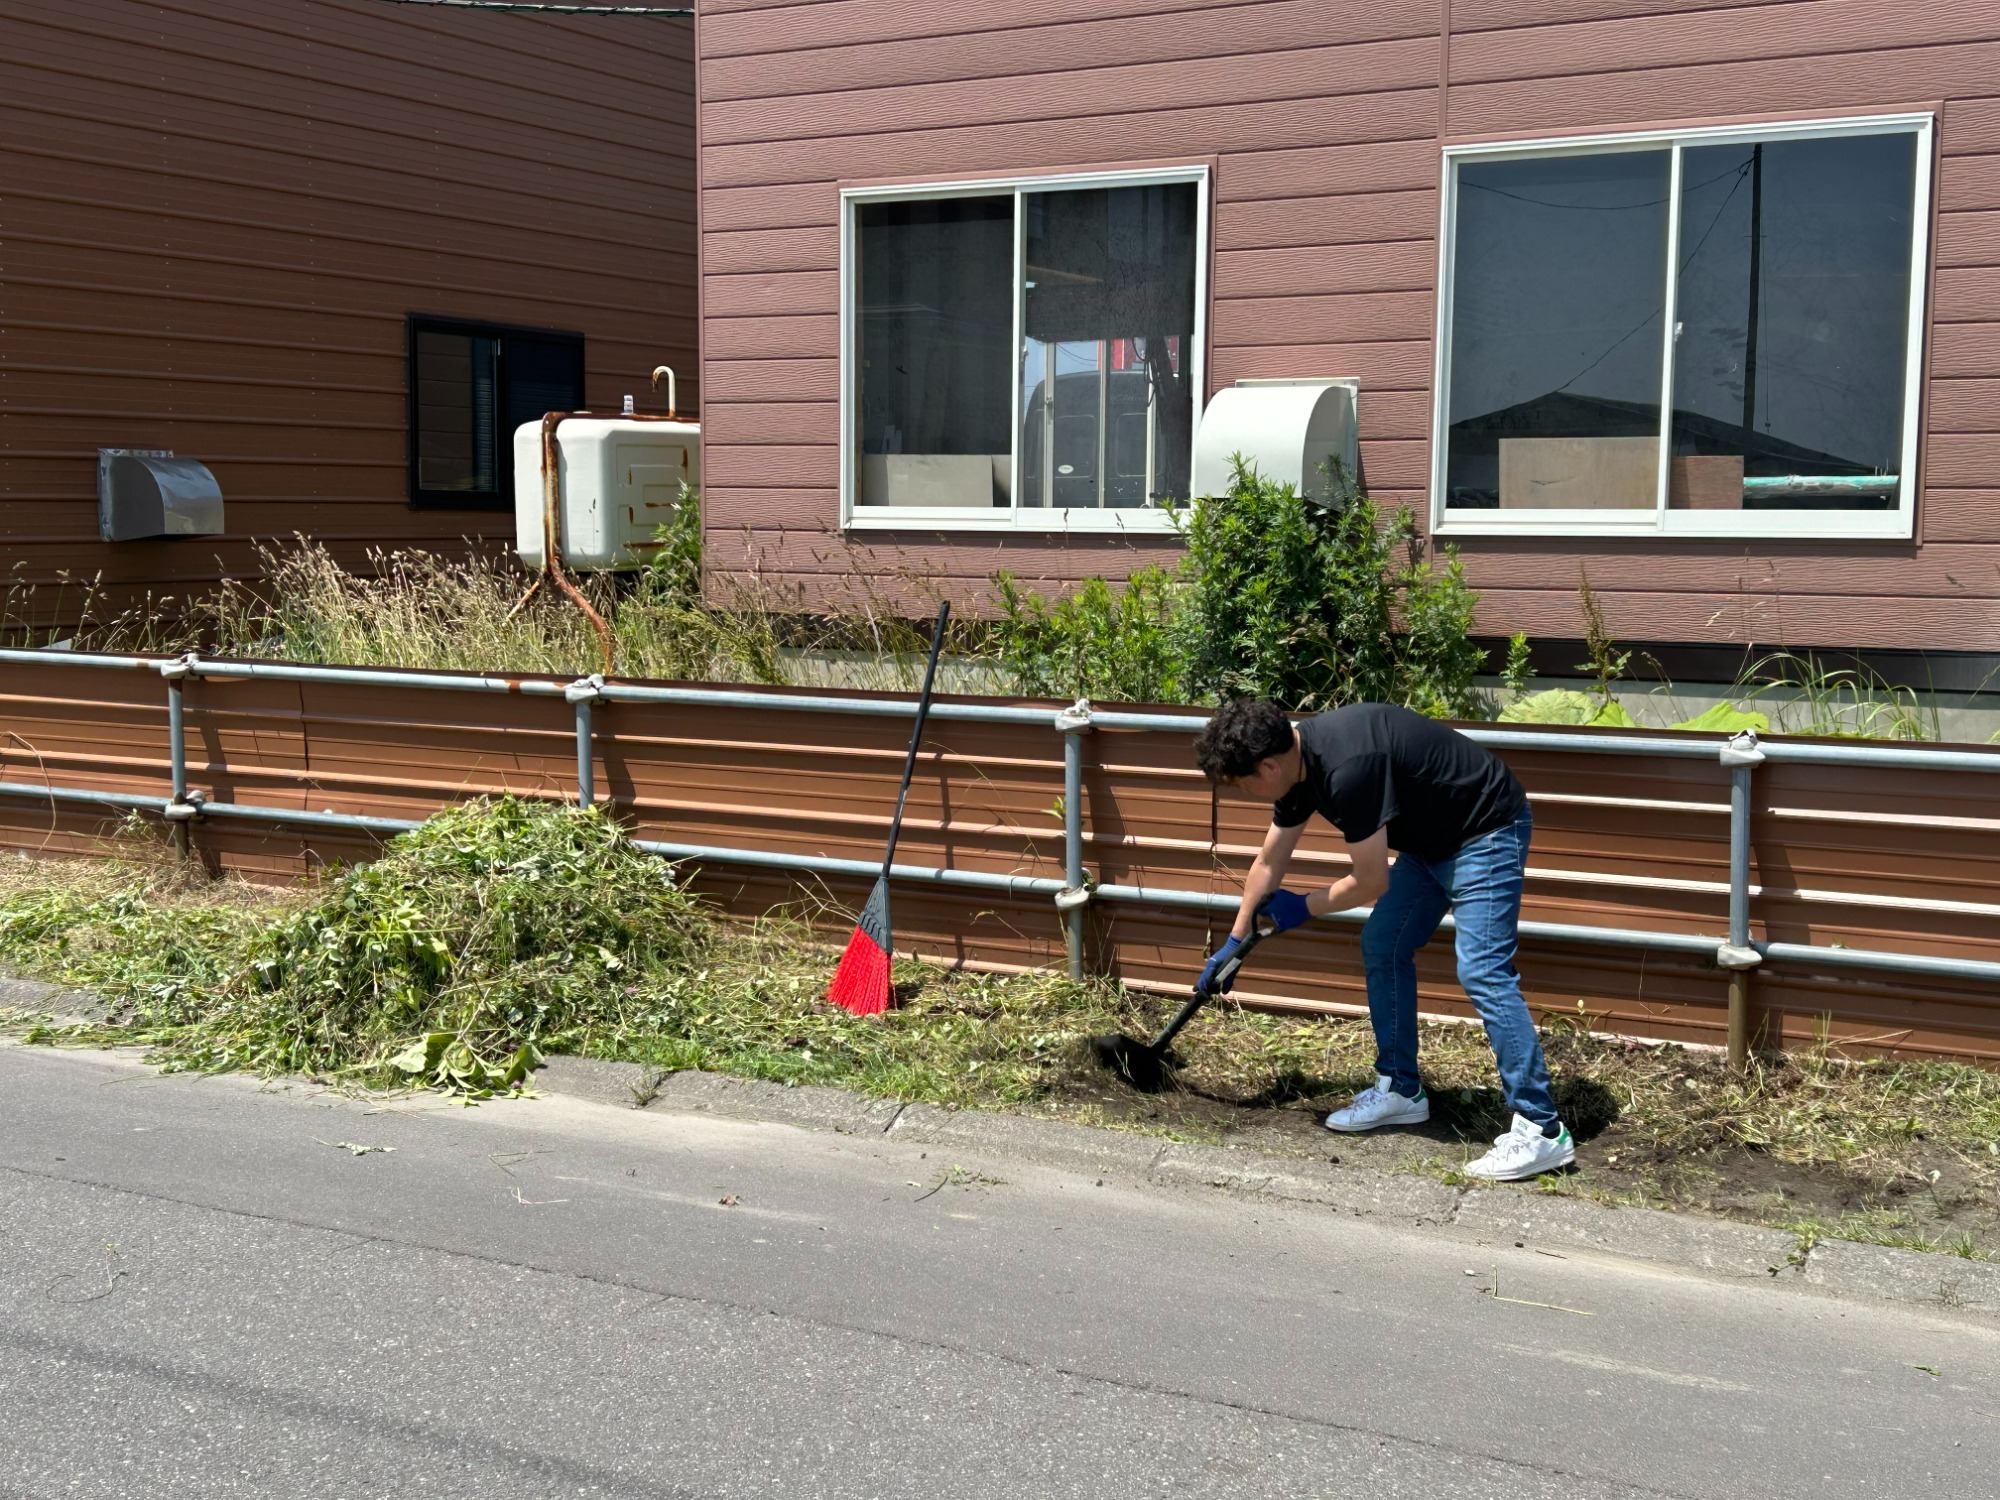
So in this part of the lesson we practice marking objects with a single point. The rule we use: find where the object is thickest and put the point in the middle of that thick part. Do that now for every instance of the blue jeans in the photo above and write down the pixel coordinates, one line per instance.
(1482, 884)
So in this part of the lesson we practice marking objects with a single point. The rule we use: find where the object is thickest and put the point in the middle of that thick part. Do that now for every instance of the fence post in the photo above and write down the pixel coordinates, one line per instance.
(1073, 723)
(584, 692)
(1739, 955)
(181, 809)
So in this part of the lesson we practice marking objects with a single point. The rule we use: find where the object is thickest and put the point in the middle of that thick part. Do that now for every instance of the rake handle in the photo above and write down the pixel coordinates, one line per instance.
(916, 736)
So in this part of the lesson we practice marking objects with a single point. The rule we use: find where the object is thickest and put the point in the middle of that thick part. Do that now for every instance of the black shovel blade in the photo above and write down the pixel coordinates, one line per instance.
(1132, 1060)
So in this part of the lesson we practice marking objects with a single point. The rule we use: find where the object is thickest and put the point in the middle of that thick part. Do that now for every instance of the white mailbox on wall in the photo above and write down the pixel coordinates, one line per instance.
(621, 481)
(1290, 430)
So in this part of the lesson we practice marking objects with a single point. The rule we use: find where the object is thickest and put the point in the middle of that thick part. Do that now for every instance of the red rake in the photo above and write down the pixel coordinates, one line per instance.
(861, 983)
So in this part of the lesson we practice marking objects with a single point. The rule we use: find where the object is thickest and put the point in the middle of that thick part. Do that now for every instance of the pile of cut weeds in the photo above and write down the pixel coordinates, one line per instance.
(450, 960)
(505, 928)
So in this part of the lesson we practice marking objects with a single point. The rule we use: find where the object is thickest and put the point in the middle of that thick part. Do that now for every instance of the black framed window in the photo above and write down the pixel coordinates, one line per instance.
(470, 385)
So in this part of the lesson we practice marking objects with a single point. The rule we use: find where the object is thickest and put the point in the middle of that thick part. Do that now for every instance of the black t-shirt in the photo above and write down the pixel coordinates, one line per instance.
(1371, 764)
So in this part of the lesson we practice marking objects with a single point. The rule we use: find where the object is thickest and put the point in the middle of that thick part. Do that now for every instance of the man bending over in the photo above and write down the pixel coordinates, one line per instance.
(1388, 778)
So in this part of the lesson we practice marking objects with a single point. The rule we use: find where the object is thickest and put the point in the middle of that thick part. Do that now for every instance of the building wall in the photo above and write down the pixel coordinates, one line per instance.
(1323, 124)
(217, 214)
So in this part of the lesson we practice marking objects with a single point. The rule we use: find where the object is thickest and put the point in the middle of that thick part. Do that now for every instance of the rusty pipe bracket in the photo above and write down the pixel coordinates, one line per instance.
(180, 666)
(1741, 750)
(1074, 897)
(585, 689)
(185, 809)
(1733, 956)
(1075, 719)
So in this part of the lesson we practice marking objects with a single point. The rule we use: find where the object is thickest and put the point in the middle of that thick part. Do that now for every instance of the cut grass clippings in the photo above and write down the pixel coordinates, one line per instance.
(502, 930)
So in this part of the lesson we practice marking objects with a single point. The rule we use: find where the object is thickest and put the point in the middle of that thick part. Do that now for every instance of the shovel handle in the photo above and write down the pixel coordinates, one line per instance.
(1224, 977)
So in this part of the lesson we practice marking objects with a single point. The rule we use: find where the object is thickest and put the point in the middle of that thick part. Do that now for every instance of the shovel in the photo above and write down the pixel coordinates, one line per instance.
(1144, 1064)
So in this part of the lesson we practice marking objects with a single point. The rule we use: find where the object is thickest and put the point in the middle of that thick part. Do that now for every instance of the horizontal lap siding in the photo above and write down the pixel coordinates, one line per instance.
(221, 215)
(1322, 126)
(1327, 188)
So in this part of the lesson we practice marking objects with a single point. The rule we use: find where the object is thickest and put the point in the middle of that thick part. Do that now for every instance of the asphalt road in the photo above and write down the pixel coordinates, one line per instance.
(204, 1292)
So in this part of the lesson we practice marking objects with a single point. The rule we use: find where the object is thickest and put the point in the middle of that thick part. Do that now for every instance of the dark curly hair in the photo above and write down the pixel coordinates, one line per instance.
(1243, 732)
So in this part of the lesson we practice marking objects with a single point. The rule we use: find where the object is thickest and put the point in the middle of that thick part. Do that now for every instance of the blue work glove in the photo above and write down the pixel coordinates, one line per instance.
(1221, 956)
(1286, 909)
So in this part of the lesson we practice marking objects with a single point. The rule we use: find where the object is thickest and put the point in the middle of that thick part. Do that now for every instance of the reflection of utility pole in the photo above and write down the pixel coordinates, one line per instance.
(1756, 274)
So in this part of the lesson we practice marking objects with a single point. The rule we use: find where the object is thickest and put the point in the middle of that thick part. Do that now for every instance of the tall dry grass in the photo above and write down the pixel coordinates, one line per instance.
(421, 610)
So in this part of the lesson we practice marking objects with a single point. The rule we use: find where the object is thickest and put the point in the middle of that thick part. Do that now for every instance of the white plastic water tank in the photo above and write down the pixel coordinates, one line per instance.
(621, 480)
(1288, 429)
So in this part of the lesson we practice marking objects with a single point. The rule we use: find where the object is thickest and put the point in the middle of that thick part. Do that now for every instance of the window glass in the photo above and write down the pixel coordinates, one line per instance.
(471, 386)
(1793, 308)
(542, 375)
(1107, 395)
(1558, 297)
(934, 307)
(456, 438)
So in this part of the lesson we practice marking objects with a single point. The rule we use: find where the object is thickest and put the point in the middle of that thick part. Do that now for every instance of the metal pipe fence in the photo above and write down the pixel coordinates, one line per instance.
(1737, 953)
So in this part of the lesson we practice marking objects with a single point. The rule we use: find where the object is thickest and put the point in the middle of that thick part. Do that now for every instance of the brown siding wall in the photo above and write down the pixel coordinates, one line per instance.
(219, 212)
(1324, 124)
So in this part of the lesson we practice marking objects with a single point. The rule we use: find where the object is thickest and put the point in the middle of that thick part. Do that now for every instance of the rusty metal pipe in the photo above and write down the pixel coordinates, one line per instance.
(552, 536)
(552, 516)
(1739, 914)
(1739, 1019)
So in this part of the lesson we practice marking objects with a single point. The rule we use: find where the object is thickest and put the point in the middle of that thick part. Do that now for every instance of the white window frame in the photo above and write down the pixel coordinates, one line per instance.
(1146, 519)
(1797, 525)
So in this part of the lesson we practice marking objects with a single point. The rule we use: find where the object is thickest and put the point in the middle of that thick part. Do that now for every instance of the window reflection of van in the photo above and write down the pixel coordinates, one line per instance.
(1061, 451)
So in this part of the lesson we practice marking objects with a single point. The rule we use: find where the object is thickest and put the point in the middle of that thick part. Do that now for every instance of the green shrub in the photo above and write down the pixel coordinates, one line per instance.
(1092, 642)
(1286, 598)
(1436, 657)
(1278, 596)
(1519, 668)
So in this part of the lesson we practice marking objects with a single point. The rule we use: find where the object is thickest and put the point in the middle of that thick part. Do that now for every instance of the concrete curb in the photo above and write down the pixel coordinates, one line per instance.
(1519, 1215)
(807, 1106)
(1717, 1247)
(1360, 1191)
(1056, 1143)
(1905, 1275)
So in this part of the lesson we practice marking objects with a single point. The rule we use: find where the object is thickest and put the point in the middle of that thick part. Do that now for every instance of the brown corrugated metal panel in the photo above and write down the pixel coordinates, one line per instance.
(1324, 126)
(223, 212)
(1891, 860)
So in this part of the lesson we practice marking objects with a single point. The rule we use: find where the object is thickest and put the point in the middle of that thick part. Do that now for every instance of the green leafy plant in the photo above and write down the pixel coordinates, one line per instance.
(1519, 667)
(1436, 657)
(1726, 718)
(1278, 595)
(1284, 597)
(1093, 642)
(1567, 706)
(1606, 662)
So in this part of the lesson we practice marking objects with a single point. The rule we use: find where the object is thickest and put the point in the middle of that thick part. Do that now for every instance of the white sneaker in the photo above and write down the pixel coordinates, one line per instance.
(1524, 1152)
(1378, 1106)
